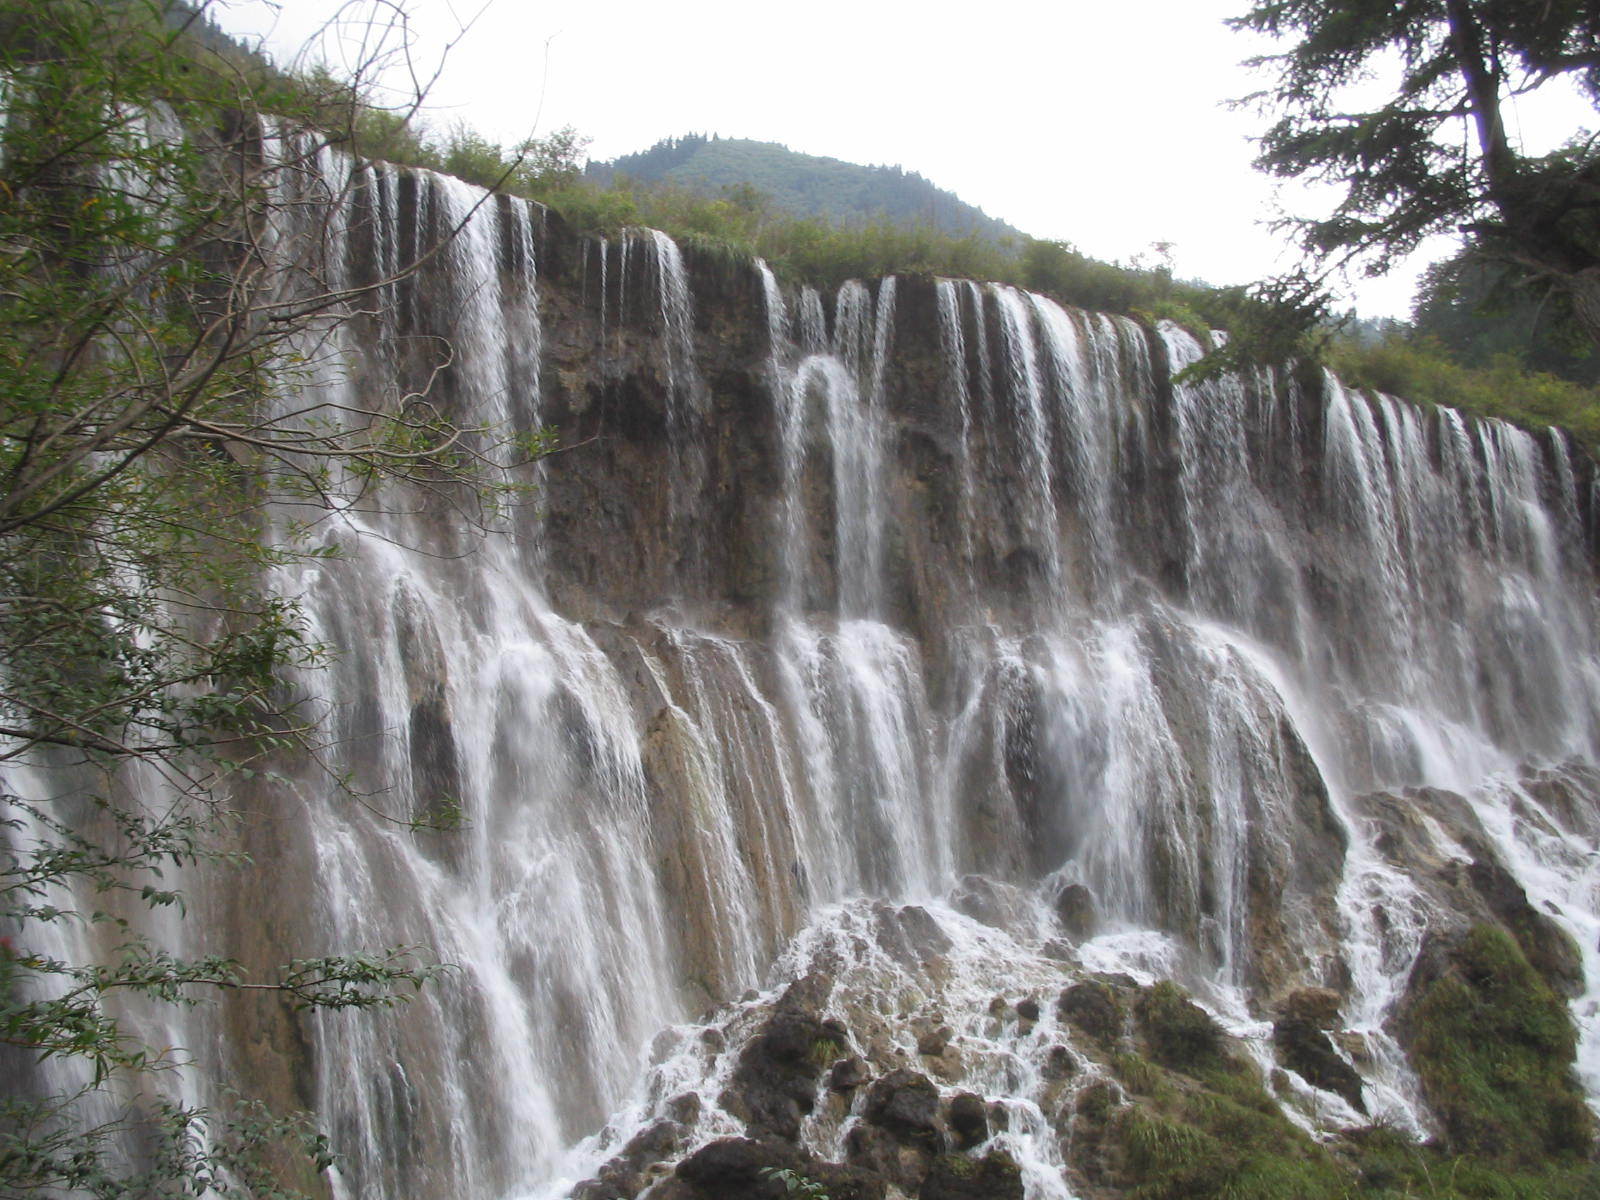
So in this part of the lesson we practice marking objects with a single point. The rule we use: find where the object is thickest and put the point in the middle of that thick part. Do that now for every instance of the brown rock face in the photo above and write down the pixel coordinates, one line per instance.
(1316, 1007)
(1480, 890)
(906, 1105)
(1075, 910)
(623, 1176)
(732, 1168)
(878, 1152)
(848, 1074)
(968, 1120)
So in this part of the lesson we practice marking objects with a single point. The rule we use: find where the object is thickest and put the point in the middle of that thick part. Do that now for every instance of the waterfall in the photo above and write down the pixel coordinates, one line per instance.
(855, 636)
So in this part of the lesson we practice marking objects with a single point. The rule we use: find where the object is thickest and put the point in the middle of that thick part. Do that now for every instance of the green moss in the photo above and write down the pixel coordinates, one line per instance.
(1180, 1033)
(1157, 1144)
(1493, 1046)
(1279, 1177)
(1091, 1007)
(1244, 1125)
(1136, 1072)
(1211, 1131)
(1238, 1081)
(1384, 1163)
(963, 1168)
(824, 1051)
(1096, 1101)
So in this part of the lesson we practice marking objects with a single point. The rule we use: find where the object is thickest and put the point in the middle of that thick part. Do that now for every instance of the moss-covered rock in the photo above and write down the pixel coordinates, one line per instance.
(1075, 910)
(1161, 1103)
(968, 1119)
(1092, 1008)
(775, 1083)
(995, 1176)
(1181, 1035)
(907, 1105)
(1218, 1134)
(1493, 1045)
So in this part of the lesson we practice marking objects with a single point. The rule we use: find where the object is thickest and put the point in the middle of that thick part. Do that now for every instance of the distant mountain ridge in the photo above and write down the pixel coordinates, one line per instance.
(804, 184)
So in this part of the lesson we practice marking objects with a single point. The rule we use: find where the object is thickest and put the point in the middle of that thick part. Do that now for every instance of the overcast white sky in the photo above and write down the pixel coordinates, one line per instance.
(1103, 124)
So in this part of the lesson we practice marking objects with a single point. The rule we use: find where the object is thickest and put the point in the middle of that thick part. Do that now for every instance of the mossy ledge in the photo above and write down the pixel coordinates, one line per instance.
(1493, 1045)
(1161, 1103)
(1491, 1041)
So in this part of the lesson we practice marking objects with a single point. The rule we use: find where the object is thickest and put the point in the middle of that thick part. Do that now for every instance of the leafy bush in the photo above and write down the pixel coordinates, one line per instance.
(470, 156)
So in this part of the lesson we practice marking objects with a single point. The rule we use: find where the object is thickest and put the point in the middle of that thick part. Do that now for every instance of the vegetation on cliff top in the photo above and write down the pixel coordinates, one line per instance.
(1468, 367)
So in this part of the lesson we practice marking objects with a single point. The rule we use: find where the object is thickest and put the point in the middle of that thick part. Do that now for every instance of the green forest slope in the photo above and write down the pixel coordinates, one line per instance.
(804, 185)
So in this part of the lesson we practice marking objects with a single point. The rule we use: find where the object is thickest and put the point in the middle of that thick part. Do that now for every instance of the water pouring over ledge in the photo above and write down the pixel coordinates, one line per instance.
(919, 638)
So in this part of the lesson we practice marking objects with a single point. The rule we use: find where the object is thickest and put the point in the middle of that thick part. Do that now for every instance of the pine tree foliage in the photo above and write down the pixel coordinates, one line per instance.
(1404, 107)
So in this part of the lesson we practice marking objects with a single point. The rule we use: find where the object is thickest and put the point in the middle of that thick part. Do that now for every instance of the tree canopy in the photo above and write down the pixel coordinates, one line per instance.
(1404, 105)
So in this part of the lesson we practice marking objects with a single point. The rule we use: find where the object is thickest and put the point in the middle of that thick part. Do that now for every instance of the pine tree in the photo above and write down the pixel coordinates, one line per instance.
(1433, 154)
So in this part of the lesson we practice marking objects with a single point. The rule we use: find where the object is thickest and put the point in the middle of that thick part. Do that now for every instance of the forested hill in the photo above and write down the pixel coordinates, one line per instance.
(803, 184)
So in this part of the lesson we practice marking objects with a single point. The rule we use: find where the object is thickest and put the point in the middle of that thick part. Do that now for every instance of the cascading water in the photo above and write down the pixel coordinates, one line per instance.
(856, 636)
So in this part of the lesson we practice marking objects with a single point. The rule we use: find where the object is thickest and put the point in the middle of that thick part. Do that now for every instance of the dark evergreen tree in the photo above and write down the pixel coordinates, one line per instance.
(1478, 311)
(1434, 154)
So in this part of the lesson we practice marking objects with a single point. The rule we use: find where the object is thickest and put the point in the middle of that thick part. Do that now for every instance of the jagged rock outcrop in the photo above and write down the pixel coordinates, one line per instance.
(995, 1176)
(1138, 1088)
(1438, 838)
(1300, 1036)
(775, 1084)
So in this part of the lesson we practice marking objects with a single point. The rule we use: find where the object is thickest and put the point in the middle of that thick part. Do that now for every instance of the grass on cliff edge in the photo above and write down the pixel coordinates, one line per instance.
(816, 252)
(1494, 1047)
(812, 251)
(1423, 373)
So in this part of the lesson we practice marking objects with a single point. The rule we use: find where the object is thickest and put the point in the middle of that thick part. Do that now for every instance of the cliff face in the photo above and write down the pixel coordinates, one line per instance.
(925, 645)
